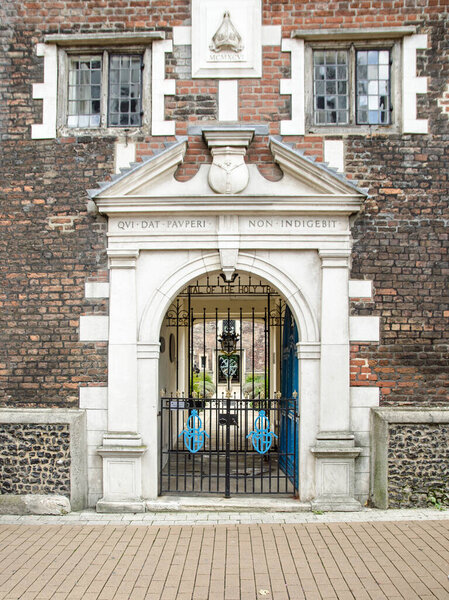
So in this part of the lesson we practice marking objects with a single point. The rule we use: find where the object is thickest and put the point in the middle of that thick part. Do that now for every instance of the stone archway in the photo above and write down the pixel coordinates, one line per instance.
(295, 234)
(308, 352)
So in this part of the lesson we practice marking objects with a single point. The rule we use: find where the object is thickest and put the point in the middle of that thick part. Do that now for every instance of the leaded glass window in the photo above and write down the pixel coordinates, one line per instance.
(84, 91)
(373, 87)
(125, 91)
(105, 90)
(331, 97)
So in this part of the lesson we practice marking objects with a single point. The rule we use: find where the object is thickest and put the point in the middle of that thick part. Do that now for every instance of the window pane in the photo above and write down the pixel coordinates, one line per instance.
(373, 87)
(362, 87)
(373, 102)
(343, 117)
(125, 90)
(319, 87)
(373, 72)
(384, 72)
(320, 73)
(362, 72)
(330, 87)
(84, 91)
(342, 73)
(362, 58)
(96, 77)
(362, 101)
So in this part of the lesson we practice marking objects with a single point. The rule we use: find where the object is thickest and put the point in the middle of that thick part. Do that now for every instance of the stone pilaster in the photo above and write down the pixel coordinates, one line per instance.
(334, 450)
(148, 371)
(122, 447)
(309, 378)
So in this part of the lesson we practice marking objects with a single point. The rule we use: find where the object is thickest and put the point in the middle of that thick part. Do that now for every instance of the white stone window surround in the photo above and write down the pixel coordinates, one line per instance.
(351, 47)
(401, 41)
(64, 56)
(56, 50)
(48, 92)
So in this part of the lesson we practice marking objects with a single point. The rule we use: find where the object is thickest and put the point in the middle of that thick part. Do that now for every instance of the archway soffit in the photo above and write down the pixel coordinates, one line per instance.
(158, 303)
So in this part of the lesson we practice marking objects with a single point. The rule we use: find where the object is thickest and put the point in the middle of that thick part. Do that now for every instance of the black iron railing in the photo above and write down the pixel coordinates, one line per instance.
(229, 446)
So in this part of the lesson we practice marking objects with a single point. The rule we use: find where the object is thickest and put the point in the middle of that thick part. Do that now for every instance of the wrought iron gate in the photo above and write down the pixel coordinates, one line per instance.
(224, 431)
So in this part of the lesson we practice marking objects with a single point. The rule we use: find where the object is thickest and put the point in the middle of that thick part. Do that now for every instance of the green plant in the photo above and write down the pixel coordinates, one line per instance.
(254, 386)
(203, 385)
(438, 498)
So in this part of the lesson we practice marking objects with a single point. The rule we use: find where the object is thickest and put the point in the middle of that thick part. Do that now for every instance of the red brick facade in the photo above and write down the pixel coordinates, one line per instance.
(52, 242)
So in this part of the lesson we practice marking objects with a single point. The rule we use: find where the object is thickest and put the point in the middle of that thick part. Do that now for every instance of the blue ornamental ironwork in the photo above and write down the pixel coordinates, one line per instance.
(194, 434)
(262, 437)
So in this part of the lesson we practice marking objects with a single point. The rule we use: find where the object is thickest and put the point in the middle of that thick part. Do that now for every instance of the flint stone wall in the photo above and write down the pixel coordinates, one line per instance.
(418, 463)
(35, 458)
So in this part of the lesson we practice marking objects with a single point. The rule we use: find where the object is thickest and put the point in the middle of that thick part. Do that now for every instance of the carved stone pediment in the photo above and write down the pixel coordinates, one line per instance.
(306, 186)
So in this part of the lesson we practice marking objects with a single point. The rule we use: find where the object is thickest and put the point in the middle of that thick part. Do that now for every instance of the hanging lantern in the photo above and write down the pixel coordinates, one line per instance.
(228, 340)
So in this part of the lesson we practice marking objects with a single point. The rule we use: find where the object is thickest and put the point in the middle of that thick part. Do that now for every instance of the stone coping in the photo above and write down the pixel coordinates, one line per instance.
(92, 39)
(362, 34)
(76, 419)
(381, 419)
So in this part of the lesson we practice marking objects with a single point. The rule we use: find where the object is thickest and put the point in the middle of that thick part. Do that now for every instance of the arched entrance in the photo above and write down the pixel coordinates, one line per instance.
(294, 234)
(226, 427)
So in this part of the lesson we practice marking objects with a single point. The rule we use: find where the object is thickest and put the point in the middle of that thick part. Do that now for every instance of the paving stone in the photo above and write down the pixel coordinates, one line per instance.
(377, 560)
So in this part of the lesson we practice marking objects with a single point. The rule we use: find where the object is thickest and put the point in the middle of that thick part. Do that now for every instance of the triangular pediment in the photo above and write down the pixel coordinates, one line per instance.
(304, 182)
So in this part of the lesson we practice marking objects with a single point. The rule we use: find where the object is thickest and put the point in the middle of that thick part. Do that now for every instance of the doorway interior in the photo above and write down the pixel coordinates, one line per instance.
(229, 418)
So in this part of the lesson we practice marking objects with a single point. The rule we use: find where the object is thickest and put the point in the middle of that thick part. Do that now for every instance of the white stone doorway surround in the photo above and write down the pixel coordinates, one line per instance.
(295, 234)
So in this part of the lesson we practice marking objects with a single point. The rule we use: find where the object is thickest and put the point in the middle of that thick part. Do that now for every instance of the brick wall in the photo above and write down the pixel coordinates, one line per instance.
(401, 242)
(50, 243)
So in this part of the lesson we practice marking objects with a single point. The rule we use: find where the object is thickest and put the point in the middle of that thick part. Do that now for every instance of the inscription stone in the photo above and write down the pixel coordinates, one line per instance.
(162, 225)
(253, 224)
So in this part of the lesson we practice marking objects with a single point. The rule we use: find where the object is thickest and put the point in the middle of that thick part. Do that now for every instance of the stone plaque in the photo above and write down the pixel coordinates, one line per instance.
(226, 38)
(162, 224)
(291, 225)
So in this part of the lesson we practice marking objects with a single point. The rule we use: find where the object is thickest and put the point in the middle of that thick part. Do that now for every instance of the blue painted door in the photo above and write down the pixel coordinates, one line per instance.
(288, 442)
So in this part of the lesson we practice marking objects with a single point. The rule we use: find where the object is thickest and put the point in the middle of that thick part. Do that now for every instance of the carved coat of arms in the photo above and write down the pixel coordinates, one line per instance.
(228, 173)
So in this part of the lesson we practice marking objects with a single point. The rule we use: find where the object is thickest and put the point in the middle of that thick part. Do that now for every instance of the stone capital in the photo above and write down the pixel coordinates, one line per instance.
(335, 259)
(122, 259)
(308, 350)
(148, 350)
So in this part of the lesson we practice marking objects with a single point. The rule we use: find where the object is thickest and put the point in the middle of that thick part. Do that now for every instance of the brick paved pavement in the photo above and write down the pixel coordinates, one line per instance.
(358, 561)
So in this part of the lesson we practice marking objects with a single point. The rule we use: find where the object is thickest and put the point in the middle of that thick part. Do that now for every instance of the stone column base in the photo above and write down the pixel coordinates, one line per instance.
(335, 455)
(122, 473)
